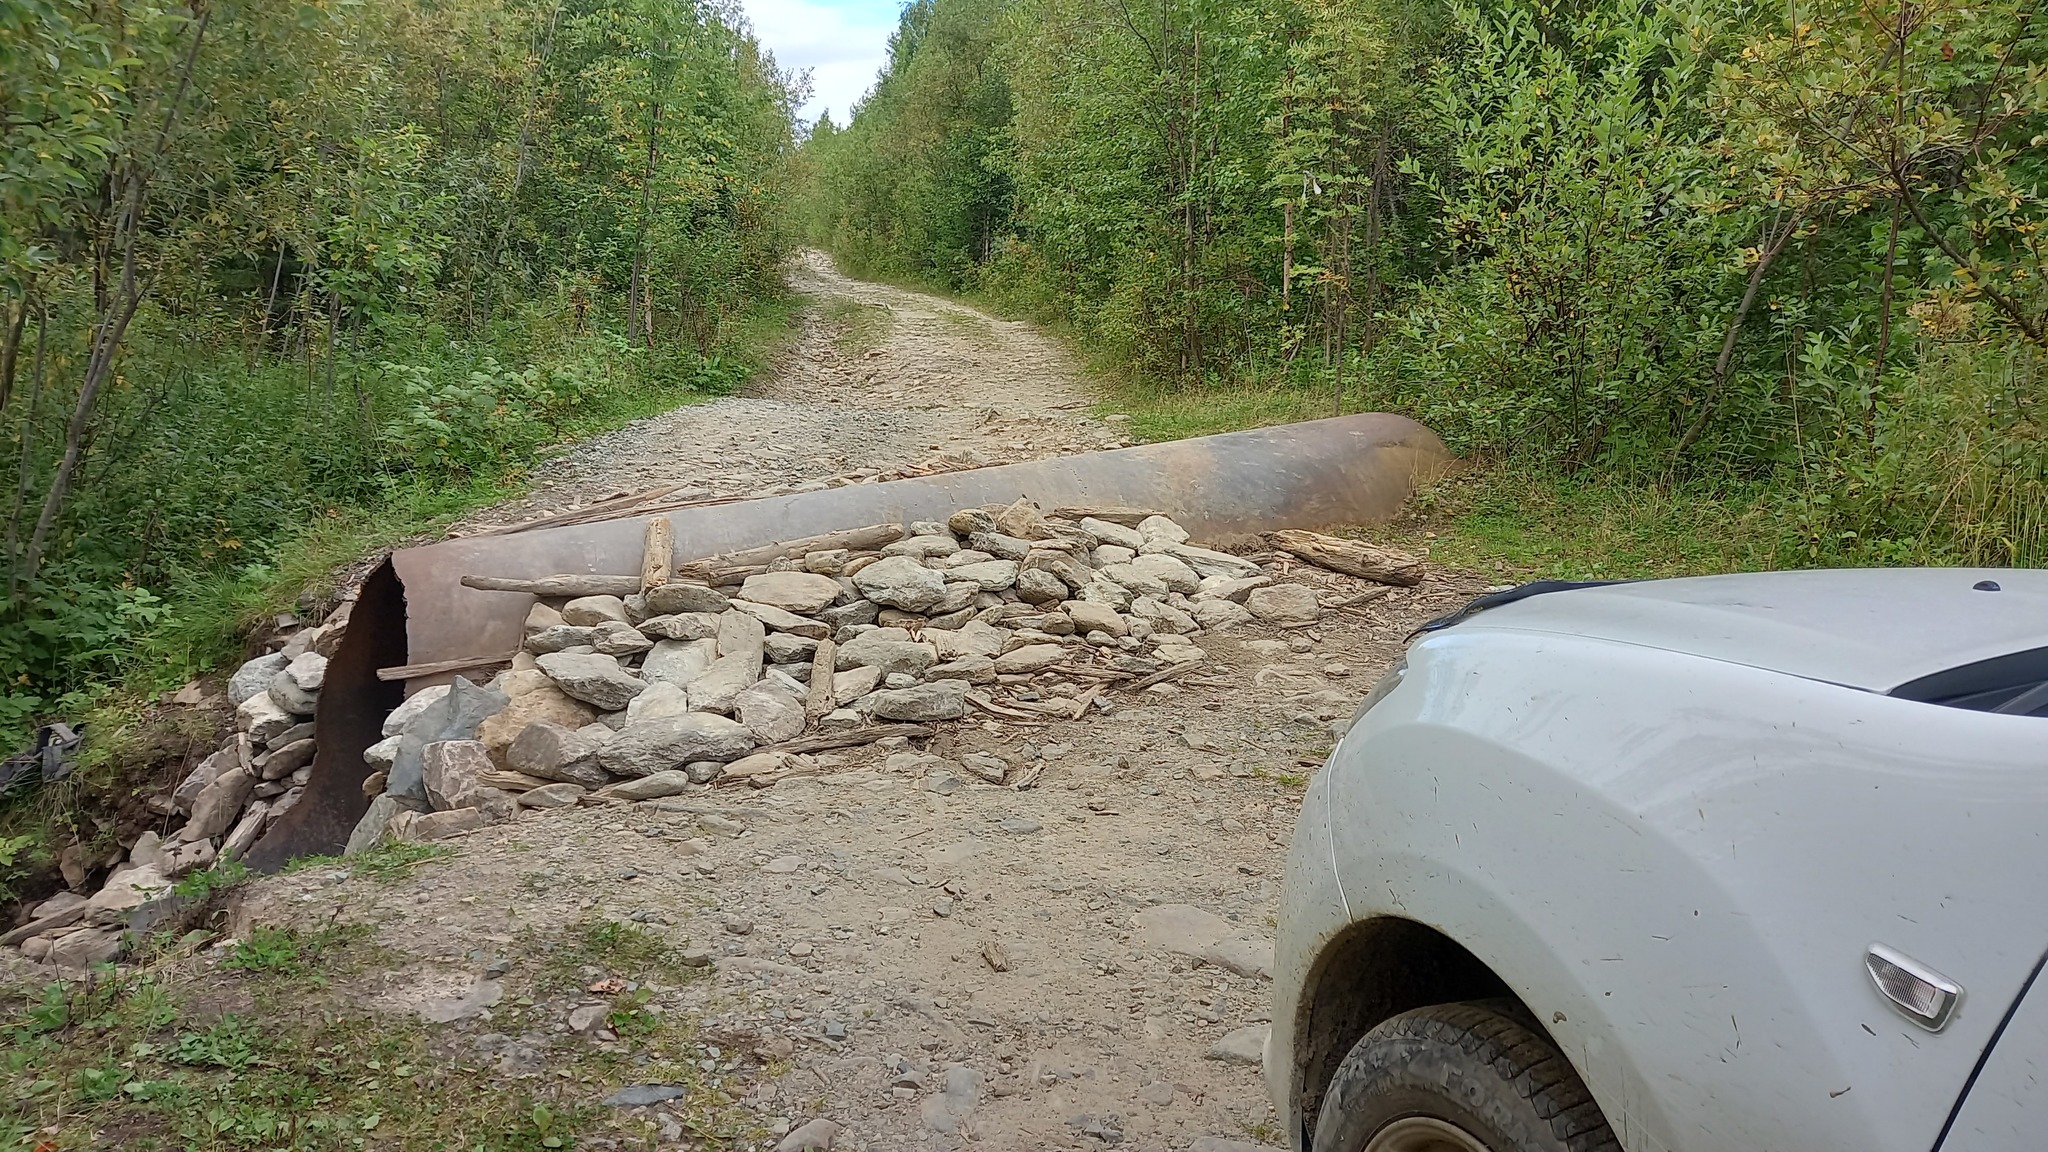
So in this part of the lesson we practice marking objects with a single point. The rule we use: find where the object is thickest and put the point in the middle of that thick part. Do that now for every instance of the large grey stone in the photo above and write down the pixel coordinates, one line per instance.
(1219, 615)
(669, 599)
(974, 638)
(721, 683)
(590, 611)
(558, 795)
(369, 831)
(1038, 586)
(308, 670)
(855, 683)
(938, 700)
(770, 713)
(990, 575)
(1230, 587)
(907, 656)
(544, 702)
(1244, 955)
(920, 548)
(594, 679)
(802, 592)
(1136, 581)
(847, 615)
(218, 804)
(1181, 928)
(203, 774)
(682, 626)
(1285, 605)
(453, 771)
(901, 582)
(1170, 571)
(126, 890)
(660, 699)
(457, 715)
(289, 696)
(1000, 546)
(1160, 530)
(782, 620)
(653, 786)
(948, 1109)
(254, 677)
(286, 759)
(1109, 533)
(973, 669)
(413, 705)
(1246, 1045)
(785, 648)
(615, 638)
(1208, 563)
(1029, 658)
(741, 634)
(262, 717)
(559, 636)
(77, 951)
(678, 662)
(658, 745)
(1092, 617)
(553, 752)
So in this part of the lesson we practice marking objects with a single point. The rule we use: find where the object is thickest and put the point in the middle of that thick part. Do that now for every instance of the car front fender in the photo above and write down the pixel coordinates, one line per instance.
(1677, 865)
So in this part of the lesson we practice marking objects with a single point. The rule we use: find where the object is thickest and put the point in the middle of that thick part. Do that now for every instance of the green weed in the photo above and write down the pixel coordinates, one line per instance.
(391, 862)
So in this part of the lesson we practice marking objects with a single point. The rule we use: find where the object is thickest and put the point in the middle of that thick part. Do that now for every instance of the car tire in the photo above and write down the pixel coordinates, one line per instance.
(1459, 1078)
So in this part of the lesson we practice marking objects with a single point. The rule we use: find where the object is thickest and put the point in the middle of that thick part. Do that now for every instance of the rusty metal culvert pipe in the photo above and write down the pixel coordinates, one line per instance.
(414, 610)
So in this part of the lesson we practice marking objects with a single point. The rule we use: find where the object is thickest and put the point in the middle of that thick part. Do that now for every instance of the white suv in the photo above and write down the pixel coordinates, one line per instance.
(1728, 864)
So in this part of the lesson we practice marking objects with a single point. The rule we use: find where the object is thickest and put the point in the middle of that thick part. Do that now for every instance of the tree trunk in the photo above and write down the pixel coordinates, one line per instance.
(10, 347)
(28, 441)
(1724, 363)
(112, 325)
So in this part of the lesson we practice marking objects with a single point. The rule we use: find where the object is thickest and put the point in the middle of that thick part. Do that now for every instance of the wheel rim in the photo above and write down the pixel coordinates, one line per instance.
(1424, 1134)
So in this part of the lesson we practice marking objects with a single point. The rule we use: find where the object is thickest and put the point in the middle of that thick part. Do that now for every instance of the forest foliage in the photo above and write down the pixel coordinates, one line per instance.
(264, 262)
(1789, 252)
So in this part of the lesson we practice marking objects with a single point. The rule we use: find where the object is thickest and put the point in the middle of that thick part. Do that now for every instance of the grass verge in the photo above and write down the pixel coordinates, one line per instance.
(269, 1042)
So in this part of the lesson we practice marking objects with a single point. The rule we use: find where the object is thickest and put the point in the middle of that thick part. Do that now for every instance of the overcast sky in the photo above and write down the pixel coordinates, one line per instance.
(842, 42)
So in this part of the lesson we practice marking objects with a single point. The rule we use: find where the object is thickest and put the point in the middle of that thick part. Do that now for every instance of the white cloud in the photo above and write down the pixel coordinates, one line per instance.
(843, 44)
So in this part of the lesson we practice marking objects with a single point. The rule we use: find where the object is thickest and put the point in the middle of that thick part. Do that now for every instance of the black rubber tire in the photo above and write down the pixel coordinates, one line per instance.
(1475, 1065)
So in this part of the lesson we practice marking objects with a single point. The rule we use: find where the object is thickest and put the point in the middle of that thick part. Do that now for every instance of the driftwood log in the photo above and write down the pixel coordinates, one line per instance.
(1111, 513)
(714, 569)
(1351, 557)
(569, 585)
(658, 553)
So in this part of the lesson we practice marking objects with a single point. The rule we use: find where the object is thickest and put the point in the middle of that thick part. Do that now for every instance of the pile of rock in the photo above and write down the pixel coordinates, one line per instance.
(688, 683)
(225, 803)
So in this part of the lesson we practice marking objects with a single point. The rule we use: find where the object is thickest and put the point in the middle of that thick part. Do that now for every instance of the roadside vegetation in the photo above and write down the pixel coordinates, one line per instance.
(283, 283)
(1695, 286)
(206, 1043)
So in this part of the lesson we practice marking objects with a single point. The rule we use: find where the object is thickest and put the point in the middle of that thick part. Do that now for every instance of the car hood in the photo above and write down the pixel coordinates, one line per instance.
(1869, 628)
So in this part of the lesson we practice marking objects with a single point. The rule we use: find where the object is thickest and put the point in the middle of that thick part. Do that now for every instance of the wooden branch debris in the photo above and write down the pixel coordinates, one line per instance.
(568, 585)
(1007, 712)
(437, 667)
(1082, 702)
(1363, 598)
(1113, 513)
(1163, 675)
(851, 738)
(852, 539)
(1351, 557)
(658, 553)
(997, 957)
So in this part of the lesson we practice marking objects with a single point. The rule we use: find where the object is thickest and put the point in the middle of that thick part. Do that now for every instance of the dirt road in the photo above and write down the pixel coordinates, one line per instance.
(926, 960)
